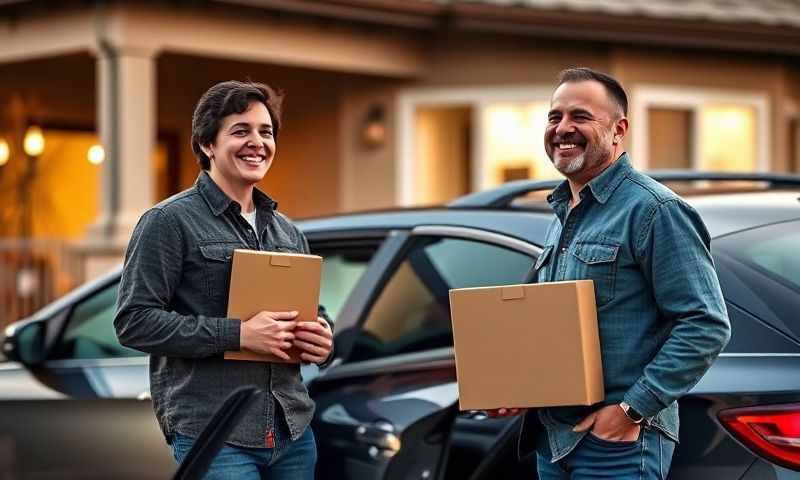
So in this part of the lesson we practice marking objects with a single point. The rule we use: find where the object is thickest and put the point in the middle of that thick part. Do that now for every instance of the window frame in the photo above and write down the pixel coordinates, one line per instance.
(477, 98)
(68, 320)
(693, 99)
(389, 268)
(330, 241)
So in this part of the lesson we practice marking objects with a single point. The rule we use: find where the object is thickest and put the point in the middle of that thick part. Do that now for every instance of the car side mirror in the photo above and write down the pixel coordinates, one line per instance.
(25, 342)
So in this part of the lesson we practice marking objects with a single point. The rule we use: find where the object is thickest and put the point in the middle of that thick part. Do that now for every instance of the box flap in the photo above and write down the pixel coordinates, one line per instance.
(280, 261)
(513, 292)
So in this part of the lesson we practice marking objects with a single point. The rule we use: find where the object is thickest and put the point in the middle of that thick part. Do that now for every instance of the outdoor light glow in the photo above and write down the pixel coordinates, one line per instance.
(34, 141)
(96, 154)
(4, 152)
(729, 138)
(513, 140)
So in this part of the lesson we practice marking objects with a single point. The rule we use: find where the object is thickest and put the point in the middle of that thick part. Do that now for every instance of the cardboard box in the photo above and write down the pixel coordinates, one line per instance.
(533, 345)
(275, 282)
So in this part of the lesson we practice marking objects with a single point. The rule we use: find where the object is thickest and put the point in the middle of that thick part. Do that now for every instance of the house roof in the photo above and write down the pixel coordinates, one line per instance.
(755, 26)
(746, 26)
(764, 12)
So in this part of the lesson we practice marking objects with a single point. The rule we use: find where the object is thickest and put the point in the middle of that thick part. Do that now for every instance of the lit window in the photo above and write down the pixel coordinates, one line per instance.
(514, 142)
(728, 140)
(700, 129)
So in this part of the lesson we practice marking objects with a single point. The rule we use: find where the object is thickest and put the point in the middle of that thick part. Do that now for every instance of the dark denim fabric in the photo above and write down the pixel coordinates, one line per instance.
(647, 458)
(287, 461)
(172, 304)
(661, 314)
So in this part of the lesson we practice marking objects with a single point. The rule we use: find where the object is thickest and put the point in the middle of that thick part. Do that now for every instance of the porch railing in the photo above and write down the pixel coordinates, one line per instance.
(33, 273)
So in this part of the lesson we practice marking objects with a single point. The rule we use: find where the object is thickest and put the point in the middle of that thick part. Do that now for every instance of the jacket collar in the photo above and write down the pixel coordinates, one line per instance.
(218, 201)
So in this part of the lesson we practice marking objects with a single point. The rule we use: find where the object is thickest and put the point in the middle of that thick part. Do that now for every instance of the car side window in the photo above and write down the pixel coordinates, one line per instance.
(89, 333)
(342, 267)
(412, 312)
(341, 270)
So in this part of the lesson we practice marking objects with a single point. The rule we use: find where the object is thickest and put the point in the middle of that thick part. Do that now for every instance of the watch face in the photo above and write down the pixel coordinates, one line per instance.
(635, 416)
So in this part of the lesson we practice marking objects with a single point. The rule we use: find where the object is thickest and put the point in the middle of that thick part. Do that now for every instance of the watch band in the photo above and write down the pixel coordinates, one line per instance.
(632, 414)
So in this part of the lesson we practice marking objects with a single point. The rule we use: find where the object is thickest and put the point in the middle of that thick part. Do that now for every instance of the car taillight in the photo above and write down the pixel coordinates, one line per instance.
(770, 431)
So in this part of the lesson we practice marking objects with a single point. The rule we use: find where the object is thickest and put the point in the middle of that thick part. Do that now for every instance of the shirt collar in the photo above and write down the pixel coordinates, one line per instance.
(604, 184)
(601, 186)
(218, 201)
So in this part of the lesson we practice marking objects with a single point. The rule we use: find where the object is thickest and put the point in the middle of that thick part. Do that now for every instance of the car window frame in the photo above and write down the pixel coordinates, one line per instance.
(403, 241)
(60, 324)
(347, 239)
(68, 320)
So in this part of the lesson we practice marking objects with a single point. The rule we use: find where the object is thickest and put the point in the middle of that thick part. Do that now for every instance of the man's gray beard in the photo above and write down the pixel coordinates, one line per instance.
(574, 165)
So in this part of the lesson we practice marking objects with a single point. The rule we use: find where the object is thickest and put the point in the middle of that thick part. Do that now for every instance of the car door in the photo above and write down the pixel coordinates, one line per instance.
(97, 421)
(396, 380)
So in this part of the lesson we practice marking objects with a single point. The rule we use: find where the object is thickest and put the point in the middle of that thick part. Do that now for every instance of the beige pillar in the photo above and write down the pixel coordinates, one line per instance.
(127, 126)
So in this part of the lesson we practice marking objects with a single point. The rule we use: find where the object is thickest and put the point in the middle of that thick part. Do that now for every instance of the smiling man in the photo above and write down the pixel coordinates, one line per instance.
(174, 292)
(661, 315)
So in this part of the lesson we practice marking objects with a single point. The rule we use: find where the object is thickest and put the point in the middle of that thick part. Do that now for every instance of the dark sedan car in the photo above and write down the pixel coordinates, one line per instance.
(75, 403)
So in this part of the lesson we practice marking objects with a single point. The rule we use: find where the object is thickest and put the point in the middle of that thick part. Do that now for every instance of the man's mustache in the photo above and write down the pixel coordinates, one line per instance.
(569, 138)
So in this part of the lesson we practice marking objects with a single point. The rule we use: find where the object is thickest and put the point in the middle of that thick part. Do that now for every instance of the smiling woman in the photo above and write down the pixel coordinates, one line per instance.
(243, 150)
(175, 285)
(234, 131)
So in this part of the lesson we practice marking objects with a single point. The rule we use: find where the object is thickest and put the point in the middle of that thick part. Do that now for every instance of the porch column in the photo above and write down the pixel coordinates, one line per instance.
(126, 109)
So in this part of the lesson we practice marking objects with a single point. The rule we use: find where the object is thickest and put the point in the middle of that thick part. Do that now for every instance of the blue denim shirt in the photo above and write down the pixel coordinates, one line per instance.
(660, 311)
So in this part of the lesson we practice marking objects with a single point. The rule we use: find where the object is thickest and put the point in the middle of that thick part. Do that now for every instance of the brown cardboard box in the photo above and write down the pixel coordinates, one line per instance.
(532, 345)
(276, 282)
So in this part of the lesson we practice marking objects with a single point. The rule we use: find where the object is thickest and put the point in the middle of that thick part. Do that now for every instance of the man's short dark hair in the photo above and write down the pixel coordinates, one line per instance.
(224, 99)
(612, 86)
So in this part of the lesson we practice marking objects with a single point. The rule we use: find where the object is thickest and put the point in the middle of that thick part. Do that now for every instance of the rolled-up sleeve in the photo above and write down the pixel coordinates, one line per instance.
(151, 274)
(674, 253)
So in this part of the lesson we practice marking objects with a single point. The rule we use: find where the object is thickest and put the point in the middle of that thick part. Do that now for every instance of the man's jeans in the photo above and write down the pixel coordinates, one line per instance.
(287, 461)
(647, 458)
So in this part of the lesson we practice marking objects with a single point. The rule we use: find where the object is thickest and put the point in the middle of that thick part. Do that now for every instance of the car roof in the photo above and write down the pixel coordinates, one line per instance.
(522, 224)
(722, 212)
(728, 213)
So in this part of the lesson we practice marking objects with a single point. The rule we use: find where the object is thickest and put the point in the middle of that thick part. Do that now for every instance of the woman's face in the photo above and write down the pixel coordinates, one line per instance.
(244, 148)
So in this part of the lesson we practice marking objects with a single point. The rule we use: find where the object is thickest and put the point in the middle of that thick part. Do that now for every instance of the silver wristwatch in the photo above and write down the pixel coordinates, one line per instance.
(632, 414)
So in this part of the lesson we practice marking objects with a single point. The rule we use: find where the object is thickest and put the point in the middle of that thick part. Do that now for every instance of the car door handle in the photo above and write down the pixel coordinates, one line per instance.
(478, 415)
(379, 436)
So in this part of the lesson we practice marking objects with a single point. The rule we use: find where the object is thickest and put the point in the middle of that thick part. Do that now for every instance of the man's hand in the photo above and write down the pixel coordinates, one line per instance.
(610, 423)
(269, 333)
(504, 412)
(315, 339)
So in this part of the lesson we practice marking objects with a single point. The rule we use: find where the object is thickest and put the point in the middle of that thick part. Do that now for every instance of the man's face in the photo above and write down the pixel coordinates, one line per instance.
(244, 147)
(581, 126)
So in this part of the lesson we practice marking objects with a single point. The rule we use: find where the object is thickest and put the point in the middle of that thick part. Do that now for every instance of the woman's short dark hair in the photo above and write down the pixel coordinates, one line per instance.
(224, 99)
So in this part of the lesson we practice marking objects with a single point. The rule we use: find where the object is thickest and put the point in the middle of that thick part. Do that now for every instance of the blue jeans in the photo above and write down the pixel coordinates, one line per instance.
(648, 458)
(287, 461)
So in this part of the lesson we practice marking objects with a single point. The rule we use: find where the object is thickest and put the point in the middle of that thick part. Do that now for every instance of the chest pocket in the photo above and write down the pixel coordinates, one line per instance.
(598, 262)
(217, 261)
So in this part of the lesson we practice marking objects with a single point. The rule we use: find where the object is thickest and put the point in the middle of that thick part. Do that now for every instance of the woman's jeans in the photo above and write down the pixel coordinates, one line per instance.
(287, 461)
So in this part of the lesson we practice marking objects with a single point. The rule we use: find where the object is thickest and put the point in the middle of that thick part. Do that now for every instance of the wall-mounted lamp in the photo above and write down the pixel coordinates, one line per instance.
(96, 154)
(34, 141)
(373, 128)
(5, 152)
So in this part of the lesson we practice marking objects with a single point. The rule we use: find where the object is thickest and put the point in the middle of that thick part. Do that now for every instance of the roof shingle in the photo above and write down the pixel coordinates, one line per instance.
(764, 12)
